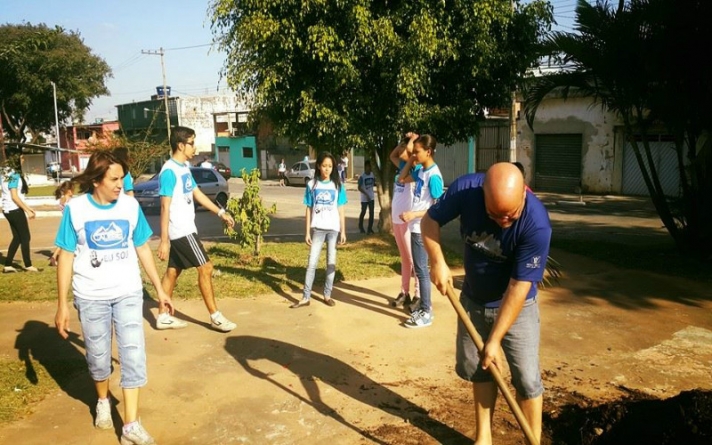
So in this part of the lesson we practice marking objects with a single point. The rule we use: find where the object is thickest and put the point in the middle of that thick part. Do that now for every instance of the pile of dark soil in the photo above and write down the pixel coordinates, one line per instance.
(637, 419)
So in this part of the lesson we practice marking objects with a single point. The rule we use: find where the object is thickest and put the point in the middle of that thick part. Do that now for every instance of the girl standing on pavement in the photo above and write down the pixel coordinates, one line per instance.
(16, 211)
(324, 197)
(402, 202)
(428, 188)
(281, 171)
(103, 236)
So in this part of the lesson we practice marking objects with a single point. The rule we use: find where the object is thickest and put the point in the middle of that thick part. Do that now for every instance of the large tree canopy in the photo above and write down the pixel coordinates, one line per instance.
(360, 73)
(33, 56)
(648, 61)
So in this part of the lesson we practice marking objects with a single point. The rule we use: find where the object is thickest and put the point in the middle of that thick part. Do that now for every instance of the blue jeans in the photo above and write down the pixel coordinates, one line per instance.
(420, 265)
(126, 315)
(520, 346)
(318, 236)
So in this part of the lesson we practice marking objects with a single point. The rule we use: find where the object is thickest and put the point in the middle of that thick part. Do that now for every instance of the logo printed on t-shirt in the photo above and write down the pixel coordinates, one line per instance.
(535, 263)
(324, 200)
(111, 234)
(487, 245)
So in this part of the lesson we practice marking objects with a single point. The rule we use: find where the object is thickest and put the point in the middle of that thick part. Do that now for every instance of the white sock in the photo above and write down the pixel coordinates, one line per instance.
(214, 315)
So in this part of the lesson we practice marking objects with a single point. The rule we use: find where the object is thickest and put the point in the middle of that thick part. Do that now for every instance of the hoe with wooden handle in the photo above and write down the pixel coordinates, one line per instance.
(528, 434)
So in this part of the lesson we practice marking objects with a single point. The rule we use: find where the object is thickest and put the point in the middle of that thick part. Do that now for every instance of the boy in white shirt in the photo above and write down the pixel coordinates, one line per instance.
(179, 235)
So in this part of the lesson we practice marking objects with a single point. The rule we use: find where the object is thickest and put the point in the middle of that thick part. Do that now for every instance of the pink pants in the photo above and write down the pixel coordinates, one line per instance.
(402, 235)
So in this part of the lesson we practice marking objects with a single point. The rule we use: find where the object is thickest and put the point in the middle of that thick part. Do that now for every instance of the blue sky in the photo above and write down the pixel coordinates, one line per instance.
(118, 30)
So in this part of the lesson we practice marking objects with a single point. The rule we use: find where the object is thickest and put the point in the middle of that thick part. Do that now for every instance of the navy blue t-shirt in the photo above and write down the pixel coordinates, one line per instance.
(493, 255)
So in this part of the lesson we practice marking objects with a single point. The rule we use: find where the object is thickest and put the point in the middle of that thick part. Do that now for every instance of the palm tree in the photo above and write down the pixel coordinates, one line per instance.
(620, 57)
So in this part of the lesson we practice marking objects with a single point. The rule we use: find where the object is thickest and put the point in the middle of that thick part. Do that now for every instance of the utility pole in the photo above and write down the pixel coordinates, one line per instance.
(513, 117)
(56, 122)
(165, 89)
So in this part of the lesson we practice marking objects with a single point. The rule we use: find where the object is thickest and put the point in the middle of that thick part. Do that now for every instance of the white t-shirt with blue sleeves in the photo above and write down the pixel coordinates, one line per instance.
(176, 181)
(10, 180)
(428, 188)
(104, 240)
(324, 201)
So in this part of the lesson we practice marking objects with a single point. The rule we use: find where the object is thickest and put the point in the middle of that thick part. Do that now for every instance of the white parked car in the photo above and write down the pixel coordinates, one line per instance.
(300, 173)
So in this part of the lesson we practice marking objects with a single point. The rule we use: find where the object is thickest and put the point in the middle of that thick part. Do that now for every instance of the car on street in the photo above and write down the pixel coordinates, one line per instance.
(300, 173)
(208, 180)
(221, 168)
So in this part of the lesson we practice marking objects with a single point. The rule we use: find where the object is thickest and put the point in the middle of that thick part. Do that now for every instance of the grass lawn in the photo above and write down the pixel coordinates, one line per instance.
(41, 190)
(280, 269)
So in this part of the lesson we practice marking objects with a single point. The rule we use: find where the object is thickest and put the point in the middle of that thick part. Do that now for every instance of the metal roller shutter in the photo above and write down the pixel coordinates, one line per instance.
(665, 158)
(558, 162)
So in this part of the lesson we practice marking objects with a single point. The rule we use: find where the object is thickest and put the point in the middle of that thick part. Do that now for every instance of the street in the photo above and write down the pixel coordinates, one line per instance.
(287, 222)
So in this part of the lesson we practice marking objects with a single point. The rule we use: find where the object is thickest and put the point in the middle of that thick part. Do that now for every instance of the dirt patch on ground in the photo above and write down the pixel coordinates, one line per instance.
(638, 418)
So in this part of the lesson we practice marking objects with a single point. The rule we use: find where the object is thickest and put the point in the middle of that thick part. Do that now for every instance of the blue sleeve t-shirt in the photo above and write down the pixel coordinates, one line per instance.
(128, 183)
(493, 255)
(67, 236)
(167, 183)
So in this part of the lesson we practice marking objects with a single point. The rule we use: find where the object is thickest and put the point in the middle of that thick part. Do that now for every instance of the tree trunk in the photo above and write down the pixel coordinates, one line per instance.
(384, 187)
(656, 194)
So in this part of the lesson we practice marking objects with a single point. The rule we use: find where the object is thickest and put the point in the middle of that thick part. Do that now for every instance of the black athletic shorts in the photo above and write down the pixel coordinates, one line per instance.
(187, 252)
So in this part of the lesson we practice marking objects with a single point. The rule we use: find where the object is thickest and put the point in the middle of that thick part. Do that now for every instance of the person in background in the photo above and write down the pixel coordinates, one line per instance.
(16, 211)
(506, 233)
(325, 197)
(206, 163)
(63, 193)
(428, 189)
(281, 171)
(365, 185)
(103, 236)
(401, 203)
(345, 163)
(180, 244)
(123, 154)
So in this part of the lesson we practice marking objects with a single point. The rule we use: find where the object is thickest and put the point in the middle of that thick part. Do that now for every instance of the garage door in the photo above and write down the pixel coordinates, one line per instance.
(558, 163)
(665, 158)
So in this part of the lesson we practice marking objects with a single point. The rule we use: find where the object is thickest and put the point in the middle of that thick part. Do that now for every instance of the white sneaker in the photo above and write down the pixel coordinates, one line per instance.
(136, 434)
(103, 415)
(9, 269)
(167, 321)
(220, 323)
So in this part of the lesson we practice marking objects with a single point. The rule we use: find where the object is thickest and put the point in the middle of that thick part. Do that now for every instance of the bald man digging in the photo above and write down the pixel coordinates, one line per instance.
(505, 231)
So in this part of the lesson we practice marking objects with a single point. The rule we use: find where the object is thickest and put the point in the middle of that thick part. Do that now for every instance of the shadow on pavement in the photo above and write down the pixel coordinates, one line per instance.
(313, 367)
(65, 363)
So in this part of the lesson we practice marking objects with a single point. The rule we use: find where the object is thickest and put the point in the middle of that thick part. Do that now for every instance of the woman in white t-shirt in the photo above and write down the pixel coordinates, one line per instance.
(325, 197)
(16, 212)
(103, 236)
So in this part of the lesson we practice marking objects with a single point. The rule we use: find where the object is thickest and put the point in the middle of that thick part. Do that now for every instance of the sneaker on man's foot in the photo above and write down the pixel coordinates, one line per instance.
(400, 299)
(103, 415)
(220, 323)
(167, 321)
(30, 269)
(419, 319)
(9, 269)
(136, 434)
